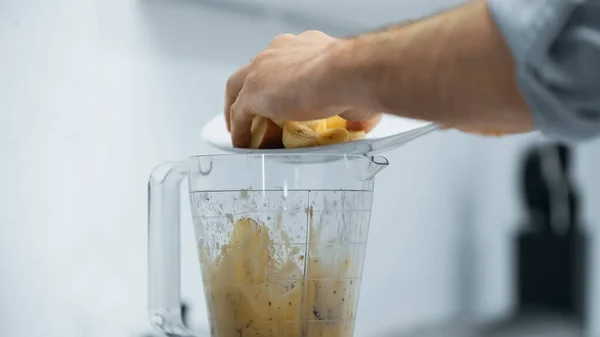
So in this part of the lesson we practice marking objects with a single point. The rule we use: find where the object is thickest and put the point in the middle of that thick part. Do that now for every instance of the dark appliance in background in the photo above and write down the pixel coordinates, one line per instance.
(551, 248)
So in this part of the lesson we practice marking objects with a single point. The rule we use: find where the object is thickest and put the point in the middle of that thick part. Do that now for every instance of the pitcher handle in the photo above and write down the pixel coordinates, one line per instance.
(164, 208)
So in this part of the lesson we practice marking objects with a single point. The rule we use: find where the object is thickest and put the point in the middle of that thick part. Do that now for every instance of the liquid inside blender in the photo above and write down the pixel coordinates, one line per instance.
(283, 265)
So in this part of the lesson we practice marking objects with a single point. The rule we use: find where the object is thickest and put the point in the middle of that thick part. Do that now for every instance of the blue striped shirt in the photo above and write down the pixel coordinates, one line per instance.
(556, 44)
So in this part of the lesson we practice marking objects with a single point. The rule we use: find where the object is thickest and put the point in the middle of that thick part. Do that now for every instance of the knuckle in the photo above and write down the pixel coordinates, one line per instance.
(267, 54)
(240, 113)
(251, 83)
(262, 56)
(284, 37)
(235, 111)
(313, 33)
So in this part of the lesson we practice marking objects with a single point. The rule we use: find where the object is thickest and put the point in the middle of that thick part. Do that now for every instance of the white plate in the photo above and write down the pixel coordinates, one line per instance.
(391, 132)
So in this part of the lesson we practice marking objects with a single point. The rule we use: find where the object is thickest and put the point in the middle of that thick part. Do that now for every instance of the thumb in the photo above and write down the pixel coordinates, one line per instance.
(361, 121)
(356, 115)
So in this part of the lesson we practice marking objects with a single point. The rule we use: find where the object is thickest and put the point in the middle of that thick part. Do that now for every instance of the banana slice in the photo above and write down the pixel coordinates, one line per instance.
(297, 135)
(265, 134)
(336, 122)
(333, 136)
(316, 125)
(357, 135)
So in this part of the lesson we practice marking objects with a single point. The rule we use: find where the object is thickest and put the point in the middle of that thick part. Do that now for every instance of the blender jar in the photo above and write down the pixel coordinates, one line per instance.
(281, 241)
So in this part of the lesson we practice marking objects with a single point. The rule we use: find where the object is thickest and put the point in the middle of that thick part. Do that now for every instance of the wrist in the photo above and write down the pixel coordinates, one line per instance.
(343, 84)
(371, 70)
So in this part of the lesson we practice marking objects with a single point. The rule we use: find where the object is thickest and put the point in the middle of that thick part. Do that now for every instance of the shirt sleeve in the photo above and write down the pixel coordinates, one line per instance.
(556, 45)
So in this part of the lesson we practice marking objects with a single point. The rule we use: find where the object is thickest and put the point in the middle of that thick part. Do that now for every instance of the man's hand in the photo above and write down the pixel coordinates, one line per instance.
(290, 80)
(453, 68)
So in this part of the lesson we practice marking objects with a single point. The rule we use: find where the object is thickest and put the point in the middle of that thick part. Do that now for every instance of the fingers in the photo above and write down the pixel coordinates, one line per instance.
(234, 85)
(239, 111)
(365, 125)
(357, 115)
(360, 120)
(241, 123)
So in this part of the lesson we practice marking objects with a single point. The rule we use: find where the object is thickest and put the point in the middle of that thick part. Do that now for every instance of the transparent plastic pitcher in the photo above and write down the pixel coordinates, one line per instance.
(281, 242)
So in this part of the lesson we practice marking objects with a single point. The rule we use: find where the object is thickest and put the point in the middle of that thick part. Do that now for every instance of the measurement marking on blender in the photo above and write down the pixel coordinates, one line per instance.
(225, 216)
(314, 245)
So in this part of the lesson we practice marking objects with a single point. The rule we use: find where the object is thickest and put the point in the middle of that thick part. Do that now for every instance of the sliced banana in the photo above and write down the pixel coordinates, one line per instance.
(317, 125)
(297, 135)
(336, 122)
(265, 134)
(333, 136)
(357, 135)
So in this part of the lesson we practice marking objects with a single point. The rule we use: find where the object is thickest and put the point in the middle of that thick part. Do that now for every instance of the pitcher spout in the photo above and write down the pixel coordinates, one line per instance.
(365, 168)
(377, 164)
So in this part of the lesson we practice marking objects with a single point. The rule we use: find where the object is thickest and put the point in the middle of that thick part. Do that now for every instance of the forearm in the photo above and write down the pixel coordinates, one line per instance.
(453, 68)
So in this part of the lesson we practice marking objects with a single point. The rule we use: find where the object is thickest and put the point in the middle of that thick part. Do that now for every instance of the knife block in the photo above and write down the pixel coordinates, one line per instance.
(551, 273)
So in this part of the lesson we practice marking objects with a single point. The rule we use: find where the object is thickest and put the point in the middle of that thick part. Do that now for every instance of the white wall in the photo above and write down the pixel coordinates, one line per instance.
(370, 13)
(93, 94)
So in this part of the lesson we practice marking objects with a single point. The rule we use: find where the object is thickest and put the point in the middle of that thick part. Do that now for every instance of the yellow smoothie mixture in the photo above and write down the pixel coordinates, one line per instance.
(254, 290)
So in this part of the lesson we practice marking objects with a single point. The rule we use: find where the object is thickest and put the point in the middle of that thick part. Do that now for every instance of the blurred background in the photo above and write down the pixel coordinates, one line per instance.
(95, 93)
